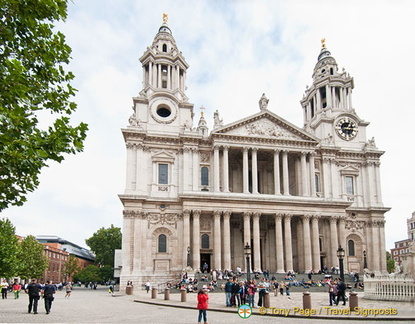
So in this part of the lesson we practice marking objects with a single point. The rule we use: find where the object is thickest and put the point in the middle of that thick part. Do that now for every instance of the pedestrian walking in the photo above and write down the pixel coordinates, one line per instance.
(202, 305)
(4, 288)
(148, 286)
(33, 289)
(68, 288)
(16, 289)
(48, 292)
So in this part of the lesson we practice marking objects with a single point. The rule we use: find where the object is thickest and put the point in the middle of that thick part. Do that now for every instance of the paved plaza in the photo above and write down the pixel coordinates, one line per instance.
(98, 306)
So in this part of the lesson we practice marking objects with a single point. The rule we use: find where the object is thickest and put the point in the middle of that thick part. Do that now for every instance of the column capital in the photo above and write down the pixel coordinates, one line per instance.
(186, 212)
(333, 219)
(278, 217)
(315, 218)
(277, 151)
(247, 215)
(287, 217)
(306, 217)
(216, 147)
(226, 147)
(256, 215)
(217, 213)
(196, 213)
(226, 214)
(254, 149)
(245, 148)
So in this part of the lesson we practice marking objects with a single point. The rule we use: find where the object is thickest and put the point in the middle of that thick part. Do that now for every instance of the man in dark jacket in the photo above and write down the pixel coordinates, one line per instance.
(341, 291)
(33, 289)
(48, 292)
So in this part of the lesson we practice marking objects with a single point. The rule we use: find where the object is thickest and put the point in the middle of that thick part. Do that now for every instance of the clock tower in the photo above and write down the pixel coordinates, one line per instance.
(327, 105)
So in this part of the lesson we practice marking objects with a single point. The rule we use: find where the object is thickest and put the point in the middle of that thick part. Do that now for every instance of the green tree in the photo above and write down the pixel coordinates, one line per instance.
(8, 249)
(35, 95)
(106, 273)
(32, 262)
(103, 243)
(89, 273)
(71, 267)
(390, 263)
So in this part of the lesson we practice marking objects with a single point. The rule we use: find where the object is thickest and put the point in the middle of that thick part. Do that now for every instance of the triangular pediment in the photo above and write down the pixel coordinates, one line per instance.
(265, 124)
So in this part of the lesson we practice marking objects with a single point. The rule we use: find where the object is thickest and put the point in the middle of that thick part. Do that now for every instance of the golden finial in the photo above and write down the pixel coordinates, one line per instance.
(323, 43)
(165, 18)
(202, 111)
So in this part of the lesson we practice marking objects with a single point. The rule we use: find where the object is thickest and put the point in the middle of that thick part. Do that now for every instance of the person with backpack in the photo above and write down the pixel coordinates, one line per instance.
(48, 292)
(33, 290)
(341, 291)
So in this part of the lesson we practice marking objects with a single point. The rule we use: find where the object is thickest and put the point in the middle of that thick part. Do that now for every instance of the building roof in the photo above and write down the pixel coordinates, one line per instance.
(68, 246)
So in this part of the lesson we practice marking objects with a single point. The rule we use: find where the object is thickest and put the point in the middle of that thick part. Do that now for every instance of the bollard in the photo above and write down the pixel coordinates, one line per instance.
(154, 293)
(306, 300)
(129, 290)
(183, 295)
(353, 300)
(167, 294)
(267, 302)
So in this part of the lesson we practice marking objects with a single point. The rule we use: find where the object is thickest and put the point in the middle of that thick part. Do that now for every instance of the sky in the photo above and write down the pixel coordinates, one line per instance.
(237, 50)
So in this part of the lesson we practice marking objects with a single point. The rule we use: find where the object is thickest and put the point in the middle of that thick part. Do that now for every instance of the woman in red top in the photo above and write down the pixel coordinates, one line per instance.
(202, 304)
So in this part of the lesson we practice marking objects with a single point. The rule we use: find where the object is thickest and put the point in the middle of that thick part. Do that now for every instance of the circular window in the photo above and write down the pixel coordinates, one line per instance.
(163, 112)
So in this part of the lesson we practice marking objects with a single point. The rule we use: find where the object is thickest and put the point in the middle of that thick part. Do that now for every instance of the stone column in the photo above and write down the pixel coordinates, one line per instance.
(158, 75)
(334, 179)
(327, 178)
(277, 189)
(186, 168)
(376, 246)
(279, 247)
(196, 240)
(130, 180)
(245, 170)
(383, 267)
(225, 169)
(127, 244)
(304, 186)
(254, 171)
(169, 77)
(312, 175)
(256, 236)
(288, 243)
(285, 176)
(328, 95)
(150, 73)
(136, 234)
(342, 231)
(307, 243)
(196, 170)
(186, 235)
(216, 169)
(217, 240)
(378, 183)
(247, 230)
(334, 241)
(226, 240)
(315, 243)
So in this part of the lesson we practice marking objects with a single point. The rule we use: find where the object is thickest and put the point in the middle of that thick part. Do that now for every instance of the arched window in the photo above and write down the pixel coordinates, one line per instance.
(164, 48)
(205, 176)
(205, 241)
(162, 246)
(350, 245)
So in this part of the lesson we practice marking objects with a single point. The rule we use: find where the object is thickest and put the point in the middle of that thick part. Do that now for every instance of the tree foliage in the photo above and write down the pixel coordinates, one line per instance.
(32, 262)
(90, 273)
(103, 243)
(33, 82)
(71, 267)
(8, 249)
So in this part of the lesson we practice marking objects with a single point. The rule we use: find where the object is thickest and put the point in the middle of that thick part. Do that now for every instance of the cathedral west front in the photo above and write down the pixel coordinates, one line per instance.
(293, 194)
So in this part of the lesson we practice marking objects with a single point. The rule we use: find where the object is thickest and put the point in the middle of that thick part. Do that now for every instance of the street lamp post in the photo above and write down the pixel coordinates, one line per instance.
(247, 249)
(188, 256)
(340, 254)
(364, 259)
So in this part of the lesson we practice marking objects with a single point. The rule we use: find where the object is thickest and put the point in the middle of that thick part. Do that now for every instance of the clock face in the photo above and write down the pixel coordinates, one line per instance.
(346, 128)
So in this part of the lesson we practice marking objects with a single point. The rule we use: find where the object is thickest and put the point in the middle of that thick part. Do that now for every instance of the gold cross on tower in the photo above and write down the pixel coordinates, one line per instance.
(202, 111)
(165, 18)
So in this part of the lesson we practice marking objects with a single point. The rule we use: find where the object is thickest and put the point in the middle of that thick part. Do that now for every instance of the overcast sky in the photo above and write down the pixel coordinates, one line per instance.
(236, 50)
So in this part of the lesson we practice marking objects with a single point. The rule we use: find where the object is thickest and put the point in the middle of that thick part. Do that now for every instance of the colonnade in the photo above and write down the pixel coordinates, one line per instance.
(280, 172)
(155, 73)
(308, 239)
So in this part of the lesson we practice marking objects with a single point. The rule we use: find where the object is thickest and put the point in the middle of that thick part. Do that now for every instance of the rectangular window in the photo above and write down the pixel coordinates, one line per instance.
(163, 173)
(349, 185)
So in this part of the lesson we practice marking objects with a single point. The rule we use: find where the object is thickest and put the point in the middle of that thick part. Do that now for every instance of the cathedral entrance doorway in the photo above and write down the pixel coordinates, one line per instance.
(205, 258)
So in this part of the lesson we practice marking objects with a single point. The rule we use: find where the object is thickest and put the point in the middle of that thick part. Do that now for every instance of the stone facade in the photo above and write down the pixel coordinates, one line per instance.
(293, 194)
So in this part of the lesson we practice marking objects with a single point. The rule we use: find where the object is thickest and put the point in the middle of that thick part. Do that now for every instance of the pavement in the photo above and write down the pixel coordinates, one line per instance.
(292, 306)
